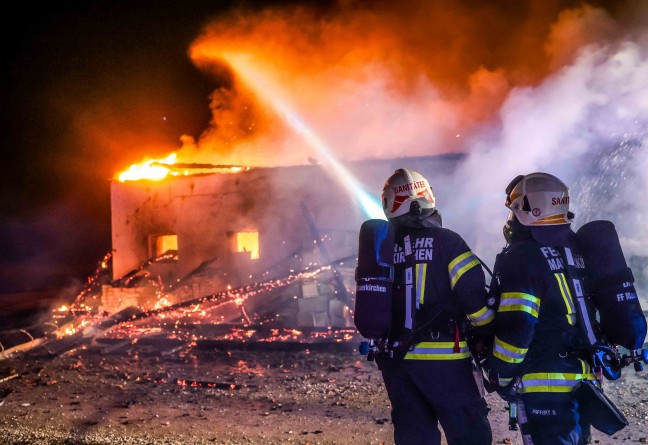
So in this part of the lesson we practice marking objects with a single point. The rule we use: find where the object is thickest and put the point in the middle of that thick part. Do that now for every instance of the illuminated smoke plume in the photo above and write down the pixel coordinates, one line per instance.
(536, 86)
(374, 83)
(586, 123)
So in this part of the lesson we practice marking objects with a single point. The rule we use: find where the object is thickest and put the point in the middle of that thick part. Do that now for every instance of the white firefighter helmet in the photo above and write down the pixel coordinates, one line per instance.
(402, 189)
(538, 199)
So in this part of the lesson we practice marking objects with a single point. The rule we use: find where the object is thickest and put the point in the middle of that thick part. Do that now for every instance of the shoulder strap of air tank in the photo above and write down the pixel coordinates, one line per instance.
(581, 306)
(410, 285)
(605, 357)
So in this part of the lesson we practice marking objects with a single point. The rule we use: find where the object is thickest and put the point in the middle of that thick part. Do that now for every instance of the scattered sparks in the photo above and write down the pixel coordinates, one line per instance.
(182, 321)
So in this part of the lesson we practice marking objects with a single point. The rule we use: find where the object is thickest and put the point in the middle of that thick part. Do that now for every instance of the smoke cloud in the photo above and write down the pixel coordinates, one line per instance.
(586, 123)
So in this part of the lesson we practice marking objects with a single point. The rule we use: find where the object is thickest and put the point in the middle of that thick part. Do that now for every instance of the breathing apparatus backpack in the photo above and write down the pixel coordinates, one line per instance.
(609, 287)
(374, 279)
(387, 319)
(374, 301)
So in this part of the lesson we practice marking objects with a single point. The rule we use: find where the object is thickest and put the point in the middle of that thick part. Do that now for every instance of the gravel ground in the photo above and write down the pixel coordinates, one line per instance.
(135, 394)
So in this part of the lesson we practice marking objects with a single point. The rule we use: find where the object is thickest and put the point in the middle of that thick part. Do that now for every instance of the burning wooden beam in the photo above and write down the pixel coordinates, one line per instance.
(83, 337)
(10, 377)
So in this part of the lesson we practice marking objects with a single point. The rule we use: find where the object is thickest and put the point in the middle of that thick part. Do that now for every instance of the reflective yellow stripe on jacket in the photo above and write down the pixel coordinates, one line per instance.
(460, 265)
(482, 317)
(507, 352)
(438, 350)
(421, 275)
(519, 301)
(567, 298)
(552, 381)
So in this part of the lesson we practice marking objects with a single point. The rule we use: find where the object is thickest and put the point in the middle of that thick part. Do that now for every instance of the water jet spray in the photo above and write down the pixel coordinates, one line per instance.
(268, 92)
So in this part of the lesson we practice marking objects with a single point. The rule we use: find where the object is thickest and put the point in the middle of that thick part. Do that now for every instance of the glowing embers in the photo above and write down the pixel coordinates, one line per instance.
(248, 242)
(164, 245)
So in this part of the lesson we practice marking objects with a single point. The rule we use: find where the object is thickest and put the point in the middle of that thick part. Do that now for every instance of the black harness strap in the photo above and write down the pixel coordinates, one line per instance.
(583, 312)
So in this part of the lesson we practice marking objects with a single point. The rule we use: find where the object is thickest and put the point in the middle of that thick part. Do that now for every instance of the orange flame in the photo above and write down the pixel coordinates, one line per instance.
(150, 169)
(159, 169)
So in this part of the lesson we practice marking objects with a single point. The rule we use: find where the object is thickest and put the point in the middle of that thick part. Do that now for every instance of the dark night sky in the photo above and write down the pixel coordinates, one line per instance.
(85, 86)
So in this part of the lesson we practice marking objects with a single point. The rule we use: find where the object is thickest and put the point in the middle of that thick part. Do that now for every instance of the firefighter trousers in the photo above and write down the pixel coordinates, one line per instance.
(553, 419)
(426, 393)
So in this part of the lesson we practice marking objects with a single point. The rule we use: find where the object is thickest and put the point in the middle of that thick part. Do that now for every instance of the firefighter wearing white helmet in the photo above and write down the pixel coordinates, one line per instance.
(539, 199)
(404, 188)
(438, 296)
(536, 360)
(534, 201)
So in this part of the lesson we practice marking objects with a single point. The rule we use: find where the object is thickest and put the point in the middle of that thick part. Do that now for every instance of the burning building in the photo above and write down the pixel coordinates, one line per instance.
(212, 229)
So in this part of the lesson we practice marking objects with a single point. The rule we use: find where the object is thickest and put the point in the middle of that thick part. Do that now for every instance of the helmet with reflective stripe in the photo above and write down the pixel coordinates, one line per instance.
(404, 188)
(538, 199)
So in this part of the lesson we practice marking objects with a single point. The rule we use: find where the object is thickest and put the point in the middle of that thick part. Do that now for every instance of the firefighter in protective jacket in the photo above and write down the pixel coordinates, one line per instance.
(439, 292)
(535, 358)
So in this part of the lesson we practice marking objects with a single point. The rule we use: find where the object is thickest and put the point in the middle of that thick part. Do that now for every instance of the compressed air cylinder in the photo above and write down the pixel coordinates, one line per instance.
(611, 284)
(374, 279)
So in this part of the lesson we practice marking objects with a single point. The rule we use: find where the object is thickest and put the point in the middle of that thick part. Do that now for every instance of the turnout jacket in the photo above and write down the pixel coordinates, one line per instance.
(441, 278)
(537, 337)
